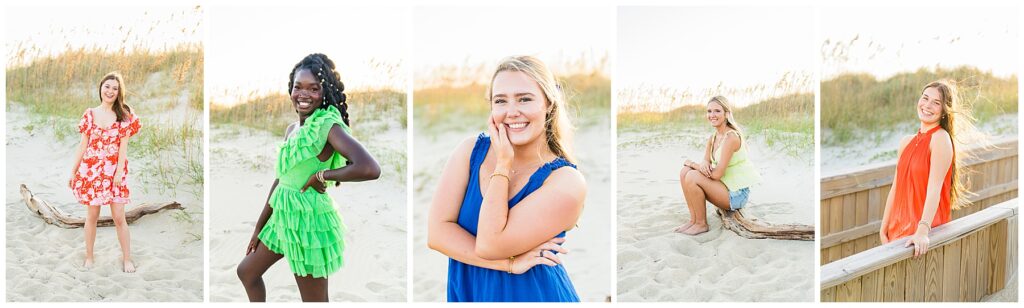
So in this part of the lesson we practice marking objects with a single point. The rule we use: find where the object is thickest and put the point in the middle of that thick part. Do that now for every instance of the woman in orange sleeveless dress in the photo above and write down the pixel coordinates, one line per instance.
(926, 186)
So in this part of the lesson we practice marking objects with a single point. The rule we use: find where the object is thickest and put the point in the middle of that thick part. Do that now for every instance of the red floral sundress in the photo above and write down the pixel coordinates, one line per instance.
(94, 180)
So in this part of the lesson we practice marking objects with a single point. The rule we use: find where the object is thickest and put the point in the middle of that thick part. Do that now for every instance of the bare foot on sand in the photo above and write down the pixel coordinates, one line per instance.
(696, 229)
(682, 228)
(129, 266)
(87, 263)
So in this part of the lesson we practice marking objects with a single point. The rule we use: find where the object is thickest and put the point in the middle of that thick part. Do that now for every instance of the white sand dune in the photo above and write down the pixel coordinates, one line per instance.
(656, 264)
(881, 145)
(589, 261)
(242, 162)
(44, 261)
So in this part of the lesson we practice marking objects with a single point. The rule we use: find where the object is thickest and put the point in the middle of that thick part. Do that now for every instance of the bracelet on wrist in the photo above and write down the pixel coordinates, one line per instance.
(511, 261)
(501, 175)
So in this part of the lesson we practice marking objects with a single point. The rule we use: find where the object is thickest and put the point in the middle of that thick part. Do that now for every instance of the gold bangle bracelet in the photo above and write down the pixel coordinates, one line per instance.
(511, 261)
(502, 175)
(925, 224)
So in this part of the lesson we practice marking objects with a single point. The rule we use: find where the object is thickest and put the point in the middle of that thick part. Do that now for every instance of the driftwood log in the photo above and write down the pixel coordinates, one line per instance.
(55, 216)
(756, 229)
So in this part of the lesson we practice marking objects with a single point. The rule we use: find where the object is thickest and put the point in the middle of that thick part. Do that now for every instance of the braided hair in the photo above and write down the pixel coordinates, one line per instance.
(330, 82)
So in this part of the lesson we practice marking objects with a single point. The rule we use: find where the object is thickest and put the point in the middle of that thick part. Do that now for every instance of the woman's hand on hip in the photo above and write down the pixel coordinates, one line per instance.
(315, 183)
(543, 254)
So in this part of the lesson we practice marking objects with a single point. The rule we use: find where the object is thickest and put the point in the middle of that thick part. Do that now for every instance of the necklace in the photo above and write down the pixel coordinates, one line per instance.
(530, 166)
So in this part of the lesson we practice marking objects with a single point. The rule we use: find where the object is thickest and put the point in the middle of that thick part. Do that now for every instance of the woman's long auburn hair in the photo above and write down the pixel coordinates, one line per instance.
(121, 109)
(956, 118)
(558, 128)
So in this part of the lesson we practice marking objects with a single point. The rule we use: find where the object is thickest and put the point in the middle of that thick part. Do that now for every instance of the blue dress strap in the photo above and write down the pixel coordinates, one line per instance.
(538, 178)
(483, 144)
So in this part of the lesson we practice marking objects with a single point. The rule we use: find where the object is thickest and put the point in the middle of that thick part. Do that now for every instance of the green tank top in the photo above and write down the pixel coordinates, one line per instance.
(297, 156)
(741, 172)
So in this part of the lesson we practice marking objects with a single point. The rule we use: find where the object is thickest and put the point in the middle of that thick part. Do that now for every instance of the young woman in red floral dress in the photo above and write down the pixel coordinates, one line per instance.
(99, 175)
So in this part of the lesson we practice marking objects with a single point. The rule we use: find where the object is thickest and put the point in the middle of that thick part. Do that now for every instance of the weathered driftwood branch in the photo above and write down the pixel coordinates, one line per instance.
(55, 216)
(756, 229)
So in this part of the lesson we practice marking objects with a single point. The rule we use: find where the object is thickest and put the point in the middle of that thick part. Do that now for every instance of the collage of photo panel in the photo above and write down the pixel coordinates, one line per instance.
(419, 153)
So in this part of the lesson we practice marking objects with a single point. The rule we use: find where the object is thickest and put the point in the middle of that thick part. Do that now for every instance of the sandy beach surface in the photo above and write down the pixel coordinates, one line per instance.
(657, 264)
(242, 161)
(44, 261)
(1007, 294)
(589, 261)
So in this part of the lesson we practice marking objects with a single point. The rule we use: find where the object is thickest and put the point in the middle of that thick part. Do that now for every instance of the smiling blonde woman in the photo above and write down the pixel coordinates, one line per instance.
(504, 201)
(724, 176)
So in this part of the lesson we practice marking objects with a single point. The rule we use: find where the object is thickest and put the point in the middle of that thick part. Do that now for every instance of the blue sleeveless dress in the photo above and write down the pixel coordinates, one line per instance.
(468, 283)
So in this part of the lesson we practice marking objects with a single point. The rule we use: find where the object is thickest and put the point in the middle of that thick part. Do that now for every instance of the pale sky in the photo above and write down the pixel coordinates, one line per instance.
(461, 36)
(256, 53)
(697, 48)
(899, 39)
(53, 29)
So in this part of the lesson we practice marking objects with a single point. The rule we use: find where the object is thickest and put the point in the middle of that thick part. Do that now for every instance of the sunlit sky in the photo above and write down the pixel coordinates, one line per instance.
(110, 28)
(471, 36)
(697, 48)
(899, 39)
(255, 54)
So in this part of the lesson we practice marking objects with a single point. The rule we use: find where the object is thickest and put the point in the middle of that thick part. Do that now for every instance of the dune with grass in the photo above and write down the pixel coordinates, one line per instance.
(863, 118)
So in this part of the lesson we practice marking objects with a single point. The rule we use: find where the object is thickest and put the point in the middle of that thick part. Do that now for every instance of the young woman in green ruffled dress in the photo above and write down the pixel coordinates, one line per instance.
(299, 222)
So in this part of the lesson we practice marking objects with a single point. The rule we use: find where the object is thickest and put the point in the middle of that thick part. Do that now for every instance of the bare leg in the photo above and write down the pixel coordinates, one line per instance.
(682, 180)
(312, 289)
(705, 189)
(92, 215)
(123, 236)
(696, 201)
(250, 272)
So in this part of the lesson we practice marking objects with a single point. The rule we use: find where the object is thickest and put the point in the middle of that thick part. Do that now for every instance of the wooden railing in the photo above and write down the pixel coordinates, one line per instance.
(852, 203)
(969, 258)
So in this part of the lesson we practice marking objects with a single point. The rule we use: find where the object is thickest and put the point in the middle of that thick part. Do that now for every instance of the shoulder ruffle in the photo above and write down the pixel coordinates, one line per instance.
(86, 123)
(309, 140)
(131, 127)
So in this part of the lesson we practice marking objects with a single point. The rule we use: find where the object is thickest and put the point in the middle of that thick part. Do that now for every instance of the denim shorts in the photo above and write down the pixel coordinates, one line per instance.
(738, 198)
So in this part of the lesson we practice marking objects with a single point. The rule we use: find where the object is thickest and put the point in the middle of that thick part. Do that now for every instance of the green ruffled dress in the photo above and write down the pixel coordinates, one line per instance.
(304, 226)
